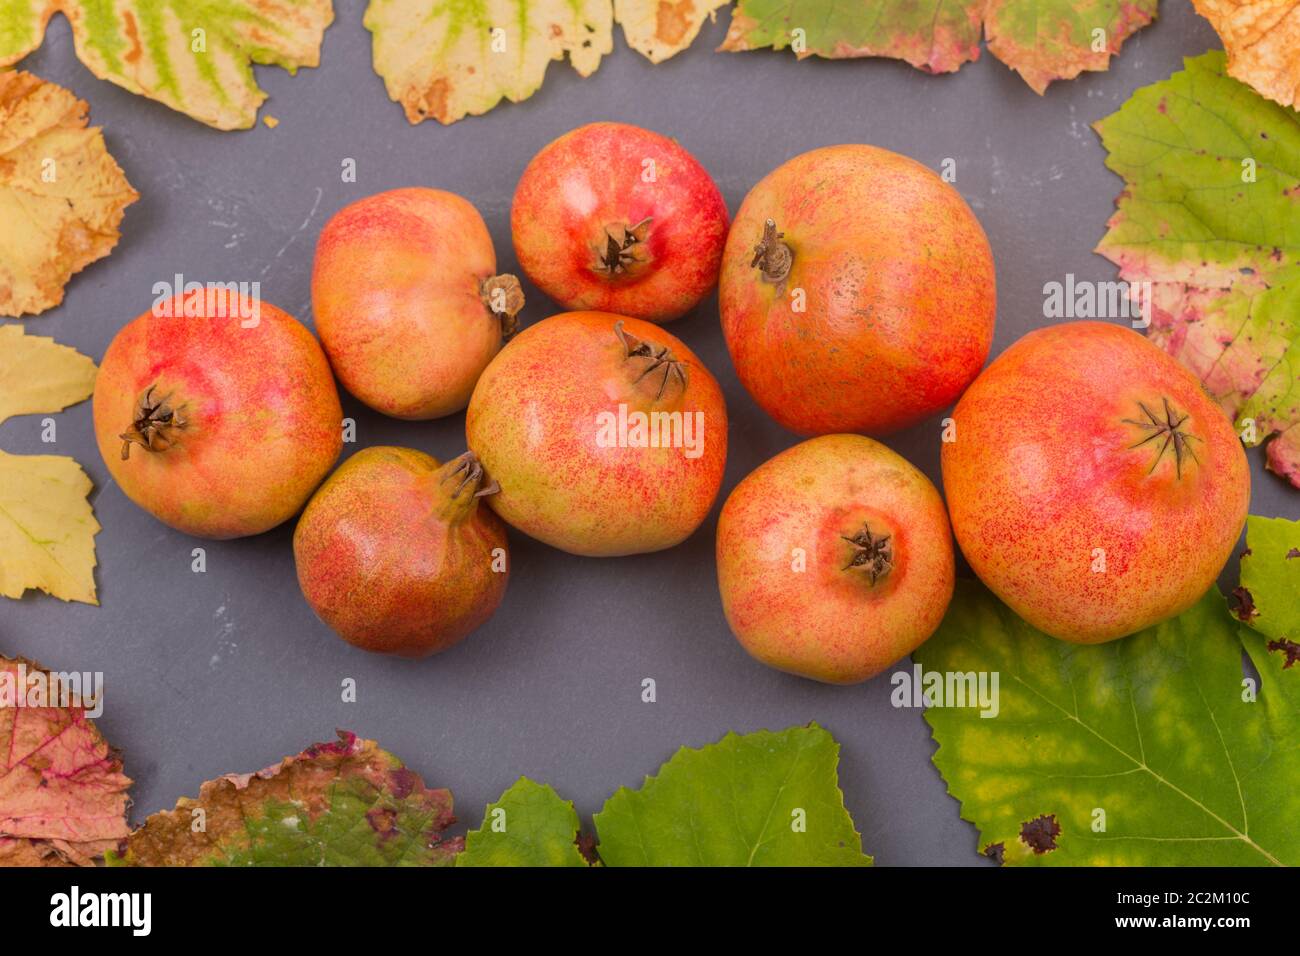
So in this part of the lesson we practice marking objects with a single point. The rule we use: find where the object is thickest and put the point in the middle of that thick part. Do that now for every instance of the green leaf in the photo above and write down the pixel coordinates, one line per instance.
(447, 59)
(1159, 737)
(762, 799)
(347, 803)
(1043, 40)
(1210, 216)
(1269, 596)
(195, 56)
(529, 826)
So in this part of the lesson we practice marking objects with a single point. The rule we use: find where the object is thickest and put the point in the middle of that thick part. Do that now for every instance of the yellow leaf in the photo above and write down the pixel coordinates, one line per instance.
(61, 193)
(446, 59)
(658, 29)
(47, 528)
(195, 56)
(1262, 39)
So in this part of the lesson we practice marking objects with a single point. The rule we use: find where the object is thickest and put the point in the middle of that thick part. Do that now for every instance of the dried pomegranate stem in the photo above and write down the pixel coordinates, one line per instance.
(773, 257)
(657, 357)
(156, 425)
(620, 251)
(461, 482)
(504, 297)
(872, 552)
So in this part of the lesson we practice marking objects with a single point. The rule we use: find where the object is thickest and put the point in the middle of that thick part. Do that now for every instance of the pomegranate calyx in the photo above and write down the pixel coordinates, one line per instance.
(772, 257)
(624, 251)
(156, 425)
(504, 298)
(463, 481)
(657, 357)
(872, 552)
(1168, 431)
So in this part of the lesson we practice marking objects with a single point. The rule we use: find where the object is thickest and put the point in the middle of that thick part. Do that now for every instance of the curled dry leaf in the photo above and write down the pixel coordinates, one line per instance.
(47, 528)
(1262, 38)
(63, 795)
(1042, 40)
(196, 56)
(347, 803)
(1208, 218)
(61, 194)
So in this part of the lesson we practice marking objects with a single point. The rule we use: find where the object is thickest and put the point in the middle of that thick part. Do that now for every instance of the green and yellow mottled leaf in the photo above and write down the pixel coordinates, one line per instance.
(1270, 581)
(61, 194)
(531, 825)
(1210, 217)
(1043, 40)
(658, 29)
(195, 56)
(347, 803)
(447, 59)
(1153, 750)
(761, 799)
(47, 527)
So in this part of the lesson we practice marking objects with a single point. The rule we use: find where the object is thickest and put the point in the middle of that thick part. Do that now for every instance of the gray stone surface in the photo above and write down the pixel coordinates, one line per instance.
(229, 670)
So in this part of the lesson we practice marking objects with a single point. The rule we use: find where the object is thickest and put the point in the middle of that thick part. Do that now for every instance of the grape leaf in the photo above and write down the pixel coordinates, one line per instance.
(1210, 216)
(62, 791)
(1157, 737)
(529, 826)
(1043, 40)
(1262, 39)
(195, 56)
(346, 803)
(659, 29)
(447, 59)
(762, 799)
(61, 194)
(1269, 596)
(47, 527)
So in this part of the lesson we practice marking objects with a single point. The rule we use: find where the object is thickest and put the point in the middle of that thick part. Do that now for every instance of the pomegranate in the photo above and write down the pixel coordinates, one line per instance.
(407, 302)
(607, 435)
(615, 217)
(1093, 485)
(395, 554)
(857, 292)
(834, 559)
(217, 414)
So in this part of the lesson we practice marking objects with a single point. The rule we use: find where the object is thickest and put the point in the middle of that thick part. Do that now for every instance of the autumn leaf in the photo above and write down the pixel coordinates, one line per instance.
(195, 56)
(47, 528)
(61, 194)
(659, 29)
(531, 825)
(63, 795)
(1210, 216)
(347, 803)
(1043, 40)
(761, 799)
(447, 59)
(1269, 596)
(1262, 39)
(1152, 750)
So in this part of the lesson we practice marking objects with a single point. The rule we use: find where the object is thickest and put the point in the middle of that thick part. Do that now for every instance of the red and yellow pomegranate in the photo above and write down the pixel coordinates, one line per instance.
(606, 434)
(218, 424)
(615, 217)
(857, 292)
(834, 559)
(1093, 485)
(407, 300)
(395, 554)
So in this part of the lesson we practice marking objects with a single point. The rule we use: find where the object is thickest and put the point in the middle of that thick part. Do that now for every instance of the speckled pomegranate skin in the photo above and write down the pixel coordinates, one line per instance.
(533, 422)
(596, 176)
(397, 295)
(397, 557)
(1067, 509)
(830, 621)
(895, 279)
(263, 424)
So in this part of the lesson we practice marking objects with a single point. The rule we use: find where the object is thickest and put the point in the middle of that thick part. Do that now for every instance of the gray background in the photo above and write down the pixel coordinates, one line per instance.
(229, 670)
